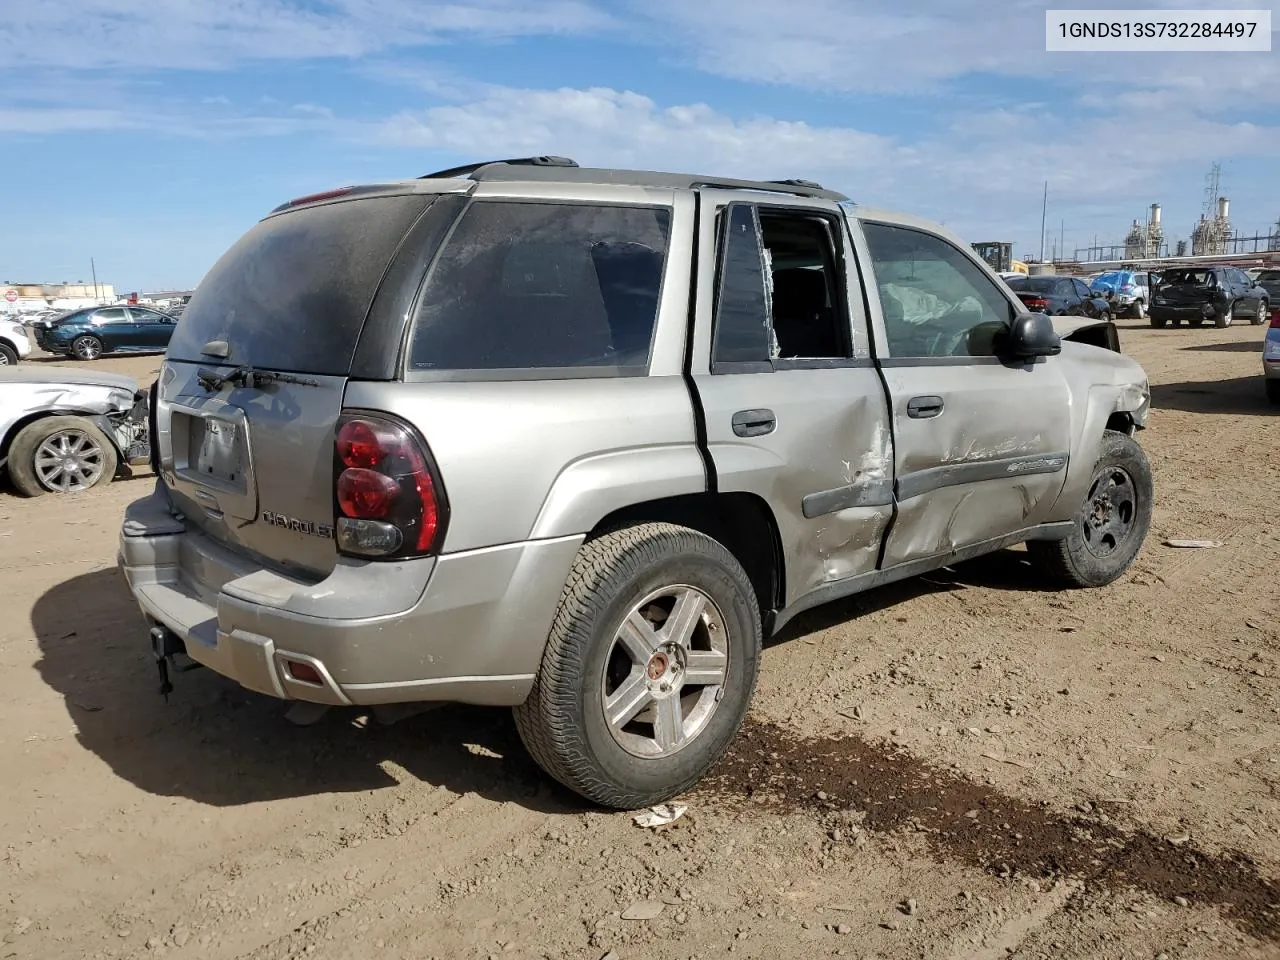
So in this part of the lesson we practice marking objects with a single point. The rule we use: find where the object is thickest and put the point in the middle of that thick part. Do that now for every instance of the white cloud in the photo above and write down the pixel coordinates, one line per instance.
(143, 35)
(620, 128)
(24, 121)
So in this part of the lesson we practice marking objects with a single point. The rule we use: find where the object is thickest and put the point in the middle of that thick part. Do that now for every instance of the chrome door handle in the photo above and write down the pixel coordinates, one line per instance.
(923, 408)
(754, 423)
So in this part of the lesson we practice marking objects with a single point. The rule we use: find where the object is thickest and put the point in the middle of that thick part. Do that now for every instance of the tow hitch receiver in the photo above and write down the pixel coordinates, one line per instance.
(164, 644)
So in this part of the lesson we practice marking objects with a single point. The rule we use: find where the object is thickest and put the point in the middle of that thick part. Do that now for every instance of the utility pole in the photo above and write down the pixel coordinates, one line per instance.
(1062, 238)
(1044, 209)
(94, 268)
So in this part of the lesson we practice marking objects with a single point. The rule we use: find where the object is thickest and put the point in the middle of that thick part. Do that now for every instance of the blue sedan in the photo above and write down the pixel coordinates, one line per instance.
(88, 334)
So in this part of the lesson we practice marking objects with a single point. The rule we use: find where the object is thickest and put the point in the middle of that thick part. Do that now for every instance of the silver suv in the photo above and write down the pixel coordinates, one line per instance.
(574, 441)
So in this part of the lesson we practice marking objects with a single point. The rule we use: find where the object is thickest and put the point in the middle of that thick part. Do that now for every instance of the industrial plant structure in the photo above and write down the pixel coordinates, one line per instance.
(1145, 240)
(1211, 236)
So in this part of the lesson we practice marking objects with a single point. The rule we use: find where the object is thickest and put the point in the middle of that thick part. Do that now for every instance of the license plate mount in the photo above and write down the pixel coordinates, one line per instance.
(218, 457)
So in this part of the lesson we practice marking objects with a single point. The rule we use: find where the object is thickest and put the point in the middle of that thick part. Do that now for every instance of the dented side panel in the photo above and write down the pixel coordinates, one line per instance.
(827, 470)
(1101, 383)
(992, 462)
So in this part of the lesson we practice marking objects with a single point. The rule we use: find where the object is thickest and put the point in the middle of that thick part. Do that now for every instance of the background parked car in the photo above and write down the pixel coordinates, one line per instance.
(1128, 289)
(1271, 358)
(1197, 294)
(1060, 296)
(64, 431)
(1269, 280)
(88, 334)
(14, 342)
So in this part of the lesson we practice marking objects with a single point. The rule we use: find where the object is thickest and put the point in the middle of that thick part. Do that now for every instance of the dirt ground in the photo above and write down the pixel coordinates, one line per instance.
(961, 766)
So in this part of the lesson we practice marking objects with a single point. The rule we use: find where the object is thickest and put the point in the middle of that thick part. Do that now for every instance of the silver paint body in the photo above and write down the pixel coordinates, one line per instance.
(860, 493)
(29, 393)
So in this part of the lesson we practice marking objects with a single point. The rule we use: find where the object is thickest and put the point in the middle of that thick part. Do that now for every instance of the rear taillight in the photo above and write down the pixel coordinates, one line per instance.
(1275, 318)
(1036, 303)
(389, 500)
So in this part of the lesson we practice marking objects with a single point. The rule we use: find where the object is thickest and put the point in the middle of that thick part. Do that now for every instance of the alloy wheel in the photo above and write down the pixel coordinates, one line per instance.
(69, 461)
(665, 672)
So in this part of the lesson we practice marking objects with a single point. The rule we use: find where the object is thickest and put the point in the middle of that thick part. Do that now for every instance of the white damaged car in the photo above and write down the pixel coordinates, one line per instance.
(64, 431)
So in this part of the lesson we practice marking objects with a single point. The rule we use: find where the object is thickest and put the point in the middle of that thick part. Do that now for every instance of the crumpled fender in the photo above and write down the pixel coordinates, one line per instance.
(1102, 384)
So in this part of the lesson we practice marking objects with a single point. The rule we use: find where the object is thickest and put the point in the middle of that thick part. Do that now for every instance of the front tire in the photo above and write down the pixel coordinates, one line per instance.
(1110, 526)
(1159, 322)
(1225, 317)
(8, 355)
(1273, 391)
(1139, 309)
(649, 667)
(60, 455)
(86, 347)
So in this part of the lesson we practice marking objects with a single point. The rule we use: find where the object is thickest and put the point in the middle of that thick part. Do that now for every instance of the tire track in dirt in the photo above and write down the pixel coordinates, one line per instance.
(869, 787)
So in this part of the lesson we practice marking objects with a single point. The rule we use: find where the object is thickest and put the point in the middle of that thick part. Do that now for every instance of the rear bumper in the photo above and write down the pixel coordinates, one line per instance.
(467, 627)
(1181, 311)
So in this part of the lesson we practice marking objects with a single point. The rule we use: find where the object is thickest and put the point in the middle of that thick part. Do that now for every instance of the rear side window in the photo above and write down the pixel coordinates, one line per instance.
(545, 287)
(293, 292)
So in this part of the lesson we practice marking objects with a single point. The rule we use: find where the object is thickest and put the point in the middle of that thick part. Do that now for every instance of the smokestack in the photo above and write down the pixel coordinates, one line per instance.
(1223, 206)
(1155, 213)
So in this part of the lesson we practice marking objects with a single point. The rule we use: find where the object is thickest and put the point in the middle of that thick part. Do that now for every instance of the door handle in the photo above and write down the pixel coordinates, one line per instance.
(923, 408)
(754, 423)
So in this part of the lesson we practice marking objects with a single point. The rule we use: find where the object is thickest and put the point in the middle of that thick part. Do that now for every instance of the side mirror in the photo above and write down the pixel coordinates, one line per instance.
(1032, 335)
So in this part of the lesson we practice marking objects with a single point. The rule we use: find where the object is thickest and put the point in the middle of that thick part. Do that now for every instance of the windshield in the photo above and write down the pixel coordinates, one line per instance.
(1269, 276)
(1188, 278)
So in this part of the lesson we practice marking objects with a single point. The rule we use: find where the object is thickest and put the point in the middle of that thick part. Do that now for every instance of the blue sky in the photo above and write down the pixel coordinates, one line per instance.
(149, 134)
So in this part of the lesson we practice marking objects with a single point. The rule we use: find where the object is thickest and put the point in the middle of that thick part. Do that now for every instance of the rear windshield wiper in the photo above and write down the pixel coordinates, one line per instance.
(246, 376)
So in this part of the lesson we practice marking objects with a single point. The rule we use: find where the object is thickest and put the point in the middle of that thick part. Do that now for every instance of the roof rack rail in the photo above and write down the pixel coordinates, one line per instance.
(797, 182)
(470, 168)
(798, 188)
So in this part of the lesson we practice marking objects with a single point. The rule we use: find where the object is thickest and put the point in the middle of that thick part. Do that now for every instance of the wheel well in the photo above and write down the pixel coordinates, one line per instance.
(1121, 422)
(742, 522)
(1098, 335)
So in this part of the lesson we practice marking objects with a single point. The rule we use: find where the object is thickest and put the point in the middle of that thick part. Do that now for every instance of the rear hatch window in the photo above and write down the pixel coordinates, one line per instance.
(293, 293)
(544, 289)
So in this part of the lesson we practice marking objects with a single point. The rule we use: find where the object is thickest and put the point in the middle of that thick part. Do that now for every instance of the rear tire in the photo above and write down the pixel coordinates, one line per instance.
(1159, 322)
(1139, 309)
(1196, 321)
(8, 355)
(1110, 526)
(34, 467)
(595, 662)
(1225, 317)
(86, 347)
(1273, 390)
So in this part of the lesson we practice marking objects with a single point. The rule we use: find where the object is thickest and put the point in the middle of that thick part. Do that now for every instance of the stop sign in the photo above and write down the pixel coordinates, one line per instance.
(11, 296)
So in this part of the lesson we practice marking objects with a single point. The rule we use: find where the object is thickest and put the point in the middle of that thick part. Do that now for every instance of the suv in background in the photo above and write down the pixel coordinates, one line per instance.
(1197, 294)
(1128, 292)
(576, 441)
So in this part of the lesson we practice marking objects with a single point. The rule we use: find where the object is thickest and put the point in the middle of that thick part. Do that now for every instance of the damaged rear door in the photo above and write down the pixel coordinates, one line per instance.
(794, 410)
(980, 444)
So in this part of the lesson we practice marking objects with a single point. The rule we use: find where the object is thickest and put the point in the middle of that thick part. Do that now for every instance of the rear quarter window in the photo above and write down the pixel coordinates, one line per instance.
(543, 289)
(292, 294)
